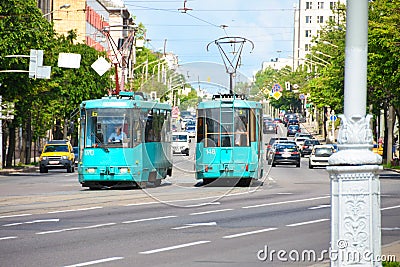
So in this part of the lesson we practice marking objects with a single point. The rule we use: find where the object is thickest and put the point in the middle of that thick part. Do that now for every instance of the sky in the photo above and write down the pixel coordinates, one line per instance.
(268, 24)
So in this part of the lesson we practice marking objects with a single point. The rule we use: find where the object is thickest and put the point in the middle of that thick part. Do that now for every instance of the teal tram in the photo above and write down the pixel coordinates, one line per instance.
(229, 140)
(124, 141)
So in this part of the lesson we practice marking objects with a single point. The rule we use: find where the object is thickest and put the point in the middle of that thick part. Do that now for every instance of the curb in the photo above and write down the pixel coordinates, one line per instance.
(15, 170)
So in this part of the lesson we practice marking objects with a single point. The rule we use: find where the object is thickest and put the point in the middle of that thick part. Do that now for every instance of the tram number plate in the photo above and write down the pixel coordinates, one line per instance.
(53, 162)
(286, 155)
(210, 151)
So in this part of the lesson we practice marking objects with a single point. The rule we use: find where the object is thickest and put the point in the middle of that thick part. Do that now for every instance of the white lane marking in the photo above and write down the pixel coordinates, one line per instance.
(190, 199)
(319, 207)
(174, 247)
(190, 225)
(8, 237)
(390, 208)
(250, 233)
(83, 209)
(31, 222)
(75, 228)
(150, 219)
(284, 193)
(95, 262)
(204, 204)
(210, 211)
(285, 202)
(143, 203)
(308, 222)
(391, 229)
(16, 215)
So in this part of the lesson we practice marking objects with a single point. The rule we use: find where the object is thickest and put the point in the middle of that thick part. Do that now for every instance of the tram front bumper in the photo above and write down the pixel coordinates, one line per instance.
(239, 170)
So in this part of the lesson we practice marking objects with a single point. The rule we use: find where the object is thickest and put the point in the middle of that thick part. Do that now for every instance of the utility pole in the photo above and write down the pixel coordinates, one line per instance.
(354, 169)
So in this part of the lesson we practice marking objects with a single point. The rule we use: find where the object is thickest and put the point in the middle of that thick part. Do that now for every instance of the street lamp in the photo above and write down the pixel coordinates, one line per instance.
(65, 6)
(328, 43)
(320, 53)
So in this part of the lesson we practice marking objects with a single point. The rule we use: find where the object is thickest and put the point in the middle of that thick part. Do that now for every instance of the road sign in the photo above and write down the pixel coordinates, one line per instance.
(277, 95)
(302, 96)
(333, 117)
(276, 88)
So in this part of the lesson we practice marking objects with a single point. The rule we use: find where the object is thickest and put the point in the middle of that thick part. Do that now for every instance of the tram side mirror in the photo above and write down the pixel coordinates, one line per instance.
(71, 127)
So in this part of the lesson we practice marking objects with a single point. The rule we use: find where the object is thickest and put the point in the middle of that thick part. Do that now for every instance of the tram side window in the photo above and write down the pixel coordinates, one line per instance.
(242, 127)
(154, 124)
(212, 128)
(200, 126)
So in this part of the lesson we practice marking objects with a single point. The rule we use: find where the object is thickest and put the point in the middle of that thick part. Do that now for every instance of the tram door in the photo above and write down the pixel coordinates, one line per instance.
(227, 137)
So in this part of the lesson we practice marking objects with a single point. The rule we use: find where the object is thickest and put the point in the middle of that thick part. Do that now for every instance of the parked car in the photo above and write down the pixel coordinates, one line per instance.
(270, 127)
(286, 154)
(307, 147)
(320, 155)
(278, 120)
(180, 143)
(292, 130)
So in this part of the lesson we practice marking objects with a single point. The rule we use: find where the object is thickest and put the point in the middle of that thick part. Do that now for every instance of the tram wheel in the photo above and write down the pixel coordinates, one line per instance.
(244, 182)
(157, 182)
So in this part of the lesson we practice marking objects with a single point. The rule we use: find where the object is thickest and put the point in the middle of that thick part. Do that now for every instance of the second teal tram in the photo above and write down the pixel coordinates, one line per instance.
(229, 140)
(125, 140)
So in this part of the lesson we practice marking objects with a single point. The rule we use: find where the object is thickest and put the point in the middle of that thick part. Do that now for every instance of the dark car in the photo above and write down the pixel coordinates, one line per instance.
(293, 122)
(286, 154)
(292, 130)
(76, 153)
(308, 146)
(288, 117)
(270, 127)
(272, 140)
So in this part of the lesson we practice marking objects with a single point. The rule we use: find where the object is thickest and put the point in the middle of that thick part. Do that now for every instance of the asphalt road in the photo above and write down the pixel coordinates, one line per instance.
(50, 220)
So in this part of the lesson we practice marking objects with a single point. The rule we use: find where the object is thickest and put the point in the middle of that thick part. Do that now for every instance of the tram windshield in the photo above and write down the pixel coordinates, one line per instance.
(225, 127)
(113, 128)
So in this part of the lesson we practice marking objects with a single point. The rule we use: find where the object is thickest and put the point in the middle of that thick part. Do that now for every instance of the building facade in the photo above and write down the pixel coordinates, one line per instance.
(309, 16)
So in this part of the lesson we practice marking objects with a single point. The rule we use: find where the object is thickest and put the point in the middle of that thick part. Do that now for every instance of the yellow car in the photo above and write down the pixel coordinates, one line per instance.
(378, 149)
(57, 154)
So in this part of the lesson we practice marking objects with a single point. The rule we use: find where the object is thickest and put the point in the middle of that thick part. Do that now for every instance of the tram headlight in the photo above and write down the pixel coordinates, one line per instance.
(43, 158)
(124, 170)
(64, 157)
(90, 170)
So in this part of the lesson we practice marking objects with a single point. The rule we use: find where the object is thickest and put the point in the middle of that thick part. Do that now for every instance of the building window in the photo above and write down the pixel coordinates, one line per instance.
(320, 5)
(308, 19)
(332, 18)
(308, 5)
(307, 47)
(308, 33)
(332, 5)
(320, 19)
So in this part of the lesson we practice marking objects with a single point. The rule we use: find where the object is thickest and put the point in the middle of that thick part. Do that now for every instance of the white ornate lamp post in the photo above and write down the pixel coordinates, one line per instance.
(354, 169)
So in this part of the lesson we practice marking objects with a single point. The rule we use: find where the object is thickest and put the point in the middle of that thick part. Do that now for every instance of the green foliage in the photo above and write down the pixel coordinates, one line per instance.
(390, 264)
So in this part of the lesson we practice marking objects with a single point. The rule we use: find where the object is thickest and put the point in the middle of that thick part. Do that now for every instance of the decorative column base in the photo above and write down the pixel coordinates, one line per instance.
(355, 196)
(355, 215)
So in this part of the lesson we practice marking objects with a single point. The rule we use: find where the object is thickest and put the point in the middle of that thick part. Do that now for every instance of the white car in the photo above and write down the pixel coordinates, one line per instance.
(320, 155)
(180, 143)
